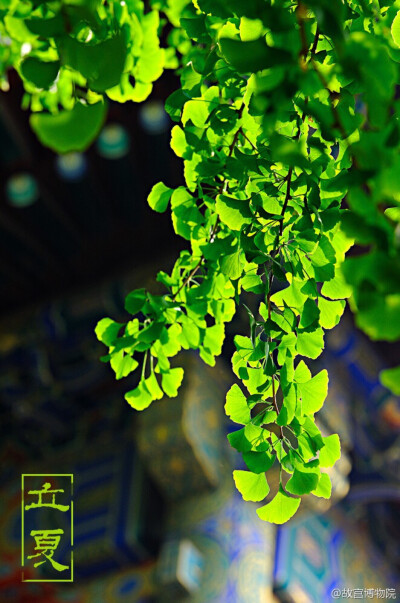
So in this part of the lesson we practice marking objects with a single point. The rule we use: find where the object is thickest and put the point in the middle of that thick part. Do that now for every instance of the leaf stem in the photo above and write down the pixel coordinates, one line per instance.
(287, 197)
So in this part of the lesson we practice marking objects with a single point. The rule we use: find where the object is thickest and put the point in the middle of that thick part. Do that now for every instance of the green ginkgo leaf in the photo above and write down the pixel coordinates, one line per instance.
(72, 130)
(239, 440)
(107, 330)
(135, 301)
(139, 398)
(330, 453)
(171, 381)
(313, 392)
(235, 213)
(251, 486)
(324, 487)
(281, 508)
(310, 344)
(330, 312)
(302, 482)
(253, 55)
(159, 197)
(102, 64)
(123, 364)
(236, 406)
(258, 462)
(41, 73)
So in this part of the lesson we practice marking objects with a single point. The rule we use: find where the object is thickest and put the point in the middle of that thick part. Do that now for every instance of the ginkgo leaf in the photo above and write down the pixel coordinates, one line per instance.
(302, 482)
(258, 462)
(236, 406)
(324, 487)
(235, 213)
(313, 392)
(330, 312)
(72, 130)
(239, 441)
(302, 373)
(251, 486)
(139, 398)
(310, 344)
(107, 330)
(330, 453)
(123, 364)
(135, 301)
(252, 55)
(171, 381)
(159, 197)
(41, 73)
(281, 508)
(337, 288)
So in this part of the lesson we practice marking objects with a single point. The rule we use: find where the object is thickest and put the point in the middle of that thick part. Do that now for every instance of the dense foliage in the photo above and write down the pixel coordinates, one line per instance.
(286, 122)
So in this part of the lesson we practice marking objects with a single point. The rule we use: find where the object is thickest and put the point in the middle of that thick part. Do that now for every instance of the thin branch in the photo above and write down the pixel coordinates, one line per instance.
(248, 140)
(300, 11)
(287, 197)
(315, 43)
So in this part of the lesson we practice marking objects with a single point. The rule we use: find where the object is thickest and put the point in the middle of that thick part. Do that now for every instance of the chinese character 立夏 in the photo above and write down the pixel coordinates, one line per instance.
(46, 543)
(43, 492)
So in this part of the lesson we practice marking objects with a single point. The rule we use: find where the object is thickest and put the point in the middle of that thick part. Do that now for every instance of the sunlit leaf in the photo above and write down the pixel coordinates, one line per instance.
(330, 453)
(71, 130)
(281, 508)
(251, 486)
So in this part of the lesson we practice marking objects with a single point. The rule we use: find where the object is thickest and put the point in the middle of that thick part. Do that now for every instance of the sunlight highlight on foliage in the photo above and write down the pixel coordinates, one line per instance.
(286, 122)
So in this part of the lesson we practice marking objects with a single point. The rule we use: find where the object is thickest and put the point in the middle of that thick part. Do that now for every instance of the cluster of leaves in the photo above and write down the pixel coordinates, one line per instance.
(286, 121)
(74, 54)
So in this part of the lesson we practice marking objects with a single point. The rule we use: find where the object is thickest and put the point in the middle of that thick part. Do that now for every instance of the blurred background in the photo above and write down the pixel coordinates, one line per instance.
(76, 235)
